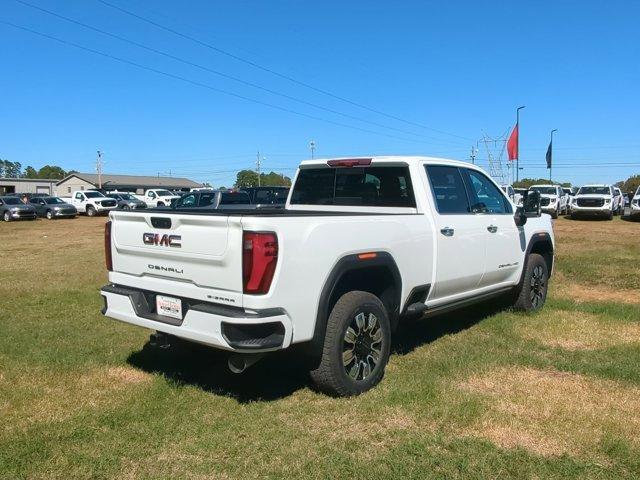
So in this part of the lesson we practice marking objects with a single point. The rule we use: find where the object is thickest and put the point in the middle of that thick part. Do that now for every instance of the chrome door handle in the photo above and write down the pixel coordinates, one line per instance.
(492, 228)
(447, 231)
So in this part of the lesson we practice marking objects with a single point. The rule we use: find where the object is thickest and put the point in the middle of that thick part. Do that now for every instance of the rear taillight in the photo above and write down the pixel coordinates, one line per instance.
(259, 258)
(107, 246)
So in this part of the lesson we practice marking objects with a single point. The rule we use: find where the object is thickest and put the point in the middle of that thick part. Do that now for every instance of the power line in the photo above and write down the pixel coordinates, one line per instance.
(273, 72)
(219, 73)
(204, 85)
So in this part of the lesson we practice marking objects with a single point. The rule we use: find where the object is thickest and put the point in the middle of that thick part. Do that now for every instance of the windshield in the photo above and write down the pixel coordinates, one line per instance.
(544, 190)
(12, 201)
(53, 201)
(164, 193)
(127, 196)
(94, 195)
(567, 191)
(594, 191)
(637, 192)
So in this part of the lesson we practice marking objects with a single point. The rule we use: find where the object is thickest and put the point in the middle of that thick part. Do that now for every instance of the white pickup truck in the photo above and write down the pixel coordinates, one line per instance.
(158, 197)
(593, 201)
(360, 245)
(91, 202)
(635, 205)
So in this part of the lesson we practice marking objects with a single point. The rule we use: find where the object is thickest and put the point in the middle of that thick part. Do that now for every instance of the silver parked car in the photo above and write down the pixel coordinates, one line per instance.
(11, 208)
(53, 207)
(126, 201)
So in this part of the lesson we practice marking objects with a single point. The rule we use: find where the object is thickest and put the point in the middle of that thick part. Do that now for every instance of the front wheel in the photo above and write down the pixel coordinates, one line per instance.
(554, 215)
(49, 215)
(7, 216)
(356, 346)
(160, 204)
(533, 290)
(91, 212)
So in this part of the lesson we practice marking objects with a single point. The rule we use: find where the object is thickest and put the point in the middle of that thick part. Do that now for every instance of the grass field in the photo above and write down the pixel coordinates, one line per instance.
(474, 394)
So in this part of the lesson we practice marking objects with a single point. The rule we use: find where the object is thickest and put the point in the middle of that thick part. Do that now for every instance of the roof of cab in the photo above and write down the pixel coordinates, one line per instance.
(390, 159)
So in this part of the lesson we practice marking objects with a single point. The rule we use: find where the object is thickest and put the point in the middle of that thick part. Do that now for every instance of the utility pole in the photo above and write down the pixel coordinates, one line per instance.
(312, 146)
(518, 142)
(258, 166)
(474, 152)
(99, 169)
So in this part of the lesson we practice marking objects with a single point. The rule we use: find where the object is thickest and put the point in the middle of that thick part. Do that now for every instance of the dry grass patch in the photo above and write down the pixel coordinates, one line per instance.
(551, 413)
(588, 293)
(574, 330)
(37, 396)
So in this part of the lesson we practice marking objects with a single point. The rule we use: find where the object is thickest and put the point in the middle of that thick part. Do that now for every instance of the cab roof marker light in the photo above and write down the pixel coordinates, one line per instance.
(350, 162)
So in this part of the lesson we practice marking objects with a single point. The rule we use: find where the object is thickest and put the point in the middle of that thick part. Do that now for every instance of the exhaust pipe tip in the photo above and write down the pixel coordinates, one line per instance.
(238, 363)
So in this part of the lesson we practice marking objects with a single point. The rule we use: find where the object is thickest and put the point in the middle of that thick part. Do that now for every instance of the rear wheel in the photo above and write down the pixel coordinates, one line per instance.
(533, 290)
(356, 346)
(91, 212)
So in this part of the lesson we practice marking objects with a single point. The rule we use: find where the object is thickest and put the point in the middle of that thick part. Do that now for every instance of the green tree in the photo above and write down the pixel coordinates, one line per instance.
(273, 179)
(10, 169)
(30, 172)
(630, 185)
(246, 179)
(51, 171)
(527, 182)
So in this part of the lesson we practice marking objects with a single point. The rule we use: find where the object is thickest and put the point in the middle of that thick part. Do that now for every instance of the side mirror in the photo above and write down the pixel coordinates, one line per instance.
(520, 217)
(532, 204)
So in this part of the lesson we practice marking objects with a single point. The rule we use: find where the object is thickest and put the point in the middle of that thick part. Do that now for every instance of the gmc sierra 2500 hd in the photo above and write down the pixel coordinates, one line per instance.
(361, 244)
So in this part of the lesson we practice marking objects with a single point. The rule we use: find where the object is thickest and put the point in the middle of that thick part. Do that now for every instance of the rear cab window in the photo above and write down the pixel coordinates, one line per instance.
(375, 186)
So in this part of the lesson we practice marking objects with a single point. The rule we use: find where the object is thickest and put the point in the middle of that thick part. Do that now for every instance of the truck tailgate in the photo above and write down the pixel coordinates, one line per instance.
(202, 250)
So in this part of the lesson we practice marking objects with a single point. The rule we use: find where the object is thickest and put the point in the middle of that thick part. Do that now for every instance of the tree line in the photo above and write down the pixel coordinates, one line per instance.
(249, 178)
(10, 169)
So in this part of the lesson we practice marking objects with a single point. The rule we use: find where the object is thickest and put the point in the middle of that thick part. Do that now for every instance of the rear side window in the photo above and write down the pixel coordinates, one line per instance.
(235, 198)
(448, 189)
(360, 187)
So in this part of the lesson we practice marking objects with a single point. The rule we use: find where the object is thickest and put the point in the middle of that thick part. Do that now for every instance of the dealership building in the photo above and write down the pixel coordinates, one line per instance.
(123, 183)
(27, 185)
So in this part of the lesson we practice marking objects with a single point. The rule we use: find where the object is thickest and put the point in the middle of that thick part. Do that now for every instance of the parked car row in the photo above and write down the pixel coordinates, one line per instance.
(597, 200)
(93, 202)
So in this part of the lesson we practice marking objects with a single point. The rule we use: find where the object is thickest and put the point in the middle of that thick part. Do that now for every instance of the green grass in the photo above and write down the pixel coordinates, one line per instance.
(82, 396)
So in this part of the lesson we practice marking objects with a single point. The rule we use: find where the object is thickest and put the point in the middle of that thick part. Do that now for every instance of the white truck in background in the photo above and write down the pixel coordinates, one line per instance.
(158, 197)
(361, 244)
(91, 202)
(554, 201)
(635, 205)
(593, 201)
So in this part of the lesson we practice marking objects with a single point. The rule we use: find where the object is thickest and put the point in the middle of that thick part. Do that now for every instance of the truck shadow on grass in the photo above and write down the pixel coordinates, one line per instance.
(280, 374)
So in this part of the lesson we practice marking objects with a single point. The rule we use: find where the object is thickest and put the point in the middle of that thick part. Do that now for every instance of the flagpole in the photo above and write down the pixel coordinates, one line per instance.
(518, 142)
(551, 150)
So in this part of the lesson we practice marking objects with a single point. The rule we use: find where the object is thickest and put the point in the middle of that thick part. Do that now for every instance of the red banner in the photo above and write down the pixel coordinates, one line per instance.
(512, 144)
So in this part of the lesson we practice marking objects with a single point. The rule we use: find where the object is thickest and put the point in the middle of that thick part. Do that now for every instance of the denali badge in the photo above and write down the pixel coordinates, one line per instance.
(162, 240)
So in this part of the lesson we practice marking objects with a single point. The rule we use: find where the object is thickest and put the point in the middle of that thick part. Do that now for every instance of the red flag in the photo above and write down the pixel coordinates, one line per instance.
(512, 144)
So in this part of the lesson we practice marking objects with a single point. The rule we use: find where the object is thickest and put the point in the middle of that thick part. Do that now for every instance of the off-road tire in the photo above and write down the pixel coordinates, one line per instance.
(526, 300)
(330, 375)
(91, 212)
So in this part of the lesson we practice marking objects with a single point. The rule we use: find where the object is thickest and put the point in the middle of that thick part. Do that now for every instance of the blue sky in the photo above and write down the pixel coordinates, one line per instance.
(455, 67)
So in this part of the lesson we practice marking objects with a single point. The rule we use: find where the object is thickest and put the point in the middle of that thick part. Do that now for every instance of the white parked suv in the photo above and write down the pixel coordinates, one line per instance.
(91, 202)
(553, 199)
(593, 200)
(635, 205)
(159, 197)
(361, 244)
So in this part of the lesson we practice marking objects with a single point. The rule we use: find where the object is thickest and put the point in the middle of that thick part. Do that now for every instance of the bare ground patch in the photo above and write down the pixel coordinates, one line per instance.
(551, 413)
(579, 293)
(574, 330)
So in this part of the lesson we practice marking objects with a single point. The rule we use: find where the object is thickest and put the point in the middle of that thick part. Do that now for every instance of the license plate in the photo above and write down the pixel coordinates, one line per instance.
(169, 306)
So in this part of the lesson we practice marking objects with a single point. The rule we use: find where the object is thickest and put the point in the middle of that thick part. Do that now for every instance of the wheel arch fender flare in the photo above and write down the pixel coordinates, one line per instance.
(348, 265)
(539, 242)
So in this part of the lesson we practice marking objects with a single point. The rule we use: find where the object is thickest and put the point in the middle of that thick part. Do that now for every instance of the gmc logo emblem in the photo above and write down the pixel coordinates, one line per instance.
(165, 240)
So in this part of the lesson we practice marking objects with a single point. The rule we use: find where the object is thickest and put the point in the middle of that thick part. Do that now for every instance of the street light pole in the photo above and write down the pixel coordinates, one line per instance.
(518, 141)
